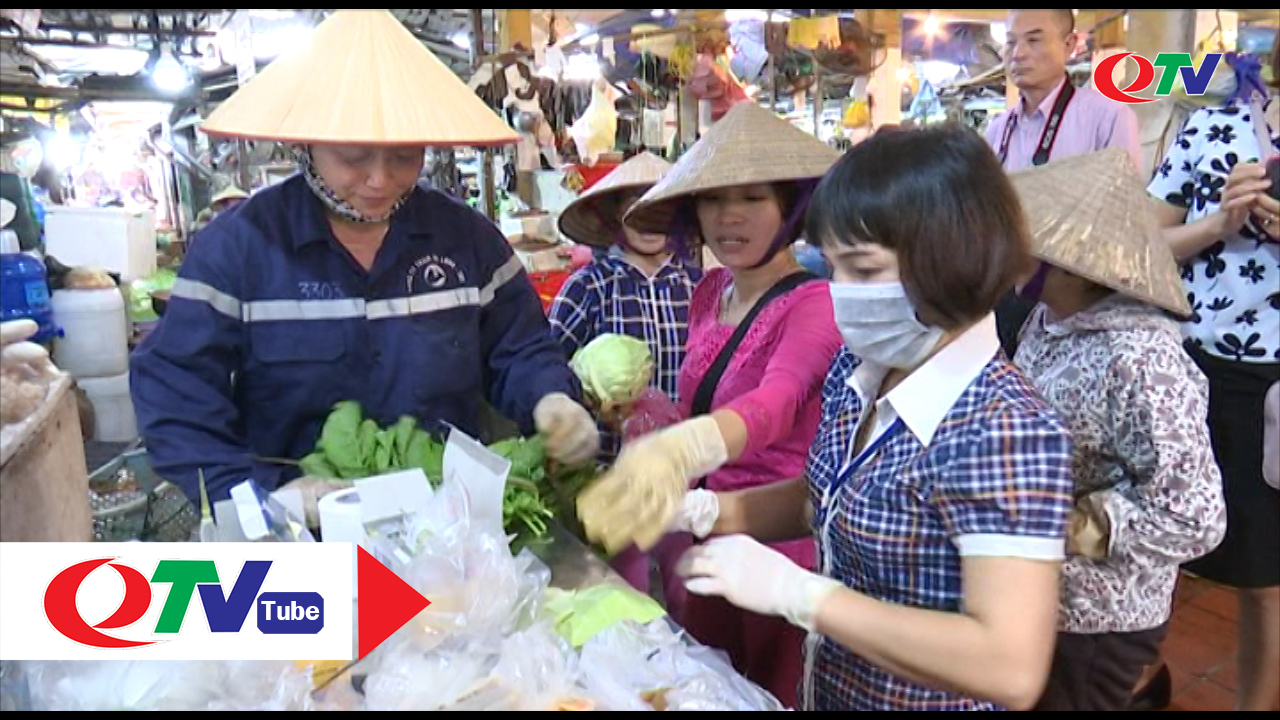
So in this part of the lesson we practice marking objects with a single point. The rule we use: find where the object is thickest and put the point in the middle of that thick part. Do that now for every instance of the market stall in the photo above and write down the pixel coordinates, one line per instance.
(551, 627)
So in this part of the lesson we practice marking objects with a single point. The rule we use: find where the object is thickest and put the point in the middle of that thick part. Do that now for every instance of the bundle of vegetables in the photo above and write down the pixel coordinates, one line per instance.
(352, 446)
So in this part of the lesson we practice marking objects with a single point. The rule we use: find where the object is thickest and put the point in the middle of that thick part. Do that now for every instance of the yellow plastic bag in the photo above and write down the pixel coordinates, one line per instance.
(857, 115)
(812, 33)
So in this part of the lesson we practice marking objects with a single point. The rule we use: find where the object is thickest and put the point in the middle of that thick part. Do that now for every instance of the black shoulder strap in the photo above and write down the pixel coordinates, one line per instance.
(707, 388)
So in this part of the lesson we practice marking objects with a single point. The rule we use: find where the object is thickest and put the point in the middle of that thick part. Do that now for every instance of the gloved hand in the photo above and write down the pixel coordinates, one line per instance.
(15, 352)
(755, 577)
(639, 498)
(312, 489)
(571, 434)
(698, 513)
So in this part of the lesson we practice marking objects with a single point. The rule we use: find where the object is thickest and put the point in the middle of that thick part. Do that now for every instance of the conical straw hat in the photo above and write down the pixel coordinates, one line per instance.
(591, 218)
(362, 79)
(230, 193)
(749, 145)
(1090, 215)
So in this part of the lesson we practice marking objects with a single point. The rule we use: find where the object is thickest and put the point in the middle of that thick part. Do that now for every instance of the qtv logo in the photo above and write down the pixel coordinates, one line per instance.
(280, 613)
(181, 601)
(1172, 65)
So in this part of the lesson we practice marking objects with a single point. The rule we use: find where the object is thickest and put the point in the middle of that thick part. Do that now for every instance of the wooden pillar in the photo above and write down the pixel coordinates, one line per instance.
(515, 26)
(885, 88)
(1152, 32)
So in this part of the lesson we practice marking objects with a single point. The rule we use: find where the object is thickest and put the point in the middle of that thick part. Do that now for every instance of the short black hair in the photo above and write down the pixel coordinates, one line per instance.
(1065, 17)
(937, 197)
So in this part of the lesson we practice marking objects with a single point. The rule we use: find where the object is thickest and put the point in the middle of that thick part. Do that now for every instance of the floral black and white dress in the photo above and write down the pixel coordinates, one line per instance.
(1234, 289)
(1234, 285)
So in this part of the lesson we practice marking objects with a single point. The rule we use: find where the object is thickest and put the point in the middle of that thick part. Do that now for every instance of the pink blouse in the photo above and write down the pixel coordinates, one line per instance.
(774, 382)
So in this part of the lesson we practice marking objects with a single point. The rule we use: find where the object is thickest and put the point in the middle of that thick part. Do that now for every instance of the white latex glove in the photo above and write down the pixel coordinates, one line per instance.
(642, 494)
(312, 489)
(755, 577)
(571, 433)
(698, 513)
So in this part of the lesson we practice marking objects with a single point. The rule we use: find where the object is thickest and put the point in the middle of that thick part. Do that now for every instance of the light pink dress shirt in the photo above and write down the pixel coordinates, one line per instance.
(1091, 122)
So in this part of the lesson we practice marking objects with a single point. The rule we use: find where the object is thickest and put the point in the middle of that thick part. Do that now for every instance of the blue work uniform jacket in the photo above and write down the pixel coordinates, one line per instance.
(271, 322)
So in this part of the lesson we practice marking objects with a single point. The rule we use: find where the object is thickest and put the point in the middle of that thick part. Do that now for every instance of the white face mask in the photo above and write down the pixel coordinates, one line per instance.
(880, 326)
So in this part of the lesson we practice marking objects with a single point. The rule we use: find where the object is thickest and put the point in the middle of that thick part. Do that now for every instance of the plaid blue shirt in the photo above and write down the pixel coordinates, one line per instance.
(972, 462)
(613, 296)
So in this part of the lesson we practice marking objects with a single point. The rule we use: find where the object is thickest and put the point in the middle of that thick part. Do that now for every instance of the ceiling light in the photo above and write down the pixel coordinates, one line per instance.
(168, 74)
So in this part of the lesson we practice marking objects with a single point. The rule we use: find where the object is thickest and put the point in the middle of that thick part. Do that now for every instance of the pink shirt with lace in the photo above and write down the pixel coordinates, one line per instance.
(774, 382)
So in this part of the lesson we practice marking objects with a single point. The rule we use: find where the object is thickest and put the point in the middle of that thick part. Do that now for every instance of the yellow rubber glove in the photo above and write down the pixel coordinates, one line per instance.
(641, 496)
(571, 434)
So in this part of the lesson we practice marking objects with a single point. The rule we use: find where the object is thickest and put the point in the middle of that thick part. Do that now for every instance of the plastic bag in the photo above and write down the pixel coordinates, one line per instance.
(167, 685)
(538, 669)
(629, 664)
(581, 615)
(653, 410)
(409, 678)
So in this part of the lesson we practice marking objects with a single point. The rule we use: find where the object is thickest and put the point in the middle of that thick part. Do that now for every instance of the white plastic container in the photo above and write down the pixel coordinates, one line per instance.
(114, 420)
(111, 238)
(95, 325)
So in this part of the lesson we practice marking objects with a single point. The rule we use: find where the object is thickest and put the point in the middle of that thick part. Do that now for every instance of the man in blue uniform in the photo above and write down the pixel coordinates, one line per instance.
(346, 282)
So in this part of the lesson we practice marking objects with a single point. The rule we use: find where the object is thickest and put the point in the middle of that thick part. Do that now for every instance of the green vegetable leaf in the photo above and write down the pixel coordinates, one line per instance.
(368, 443)
(426, 453)
(382, 454)
(339, 438)
(403, 435)
(317, 465)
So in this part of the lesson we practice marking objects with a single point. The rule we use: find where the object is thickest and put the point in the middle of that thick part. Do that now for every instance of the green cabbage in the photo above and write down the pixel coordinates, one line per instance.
(614, 369)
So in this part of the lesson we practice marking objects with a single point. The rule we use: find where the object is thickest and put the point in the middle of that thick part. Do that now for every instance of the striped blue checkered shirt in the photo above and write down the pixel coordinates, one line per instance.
(613, 296)
(966, 460)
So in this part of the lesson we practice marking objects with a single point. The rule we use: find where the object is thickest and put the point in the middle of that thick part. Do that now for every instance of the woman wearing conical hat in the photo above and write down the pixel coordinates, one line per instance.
(1104, 348)
(641, 289)
(347, 281)
(938, 484)
(752, 399)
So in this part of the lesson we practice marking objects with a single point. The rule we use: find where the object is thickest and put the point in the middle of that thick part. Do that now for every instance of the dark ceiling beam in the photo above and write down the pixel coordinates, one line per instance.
(139, 93)
(28, 40)
(123, 30)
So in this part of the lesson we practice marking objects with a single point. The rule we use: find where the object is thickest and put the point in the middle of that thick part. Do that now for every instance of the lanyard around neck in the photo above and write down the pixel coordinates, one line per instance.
(1045, 147)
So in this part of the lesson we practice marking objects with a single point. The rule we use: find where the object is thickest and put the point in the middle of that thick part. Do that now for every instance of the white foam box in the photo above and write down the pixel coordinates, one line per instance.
(112, 238)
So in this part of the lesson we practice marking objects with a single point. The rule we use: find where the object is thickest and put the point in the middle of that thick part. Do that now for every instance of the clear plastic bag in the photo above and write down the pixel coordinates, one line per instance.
(628, 663)
(167, 685)
(409, 678)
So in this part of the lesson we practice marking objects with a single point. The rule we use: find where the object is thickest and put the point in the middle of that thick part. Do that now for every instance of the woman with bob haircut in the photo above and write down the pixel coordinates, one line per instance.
(939, 484)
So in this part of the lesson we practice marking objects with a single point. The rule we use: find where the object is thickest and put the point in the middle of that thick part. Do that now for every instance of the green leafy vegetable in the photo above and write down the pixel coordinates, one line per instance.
(339, 438)
(353, 447)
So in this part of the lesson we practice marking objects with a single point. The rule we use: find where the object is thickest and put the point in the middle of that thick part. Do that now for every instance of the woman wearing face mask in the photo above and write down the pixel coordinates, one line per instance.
(1104, 350)
(347, 282)
(641, 289)
(760, 341)
(939, 483)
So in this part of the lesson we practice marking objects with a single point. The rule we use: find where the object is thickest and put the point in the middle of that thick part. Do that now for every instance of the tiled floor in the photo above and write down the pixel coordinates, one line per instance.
(1201, 646)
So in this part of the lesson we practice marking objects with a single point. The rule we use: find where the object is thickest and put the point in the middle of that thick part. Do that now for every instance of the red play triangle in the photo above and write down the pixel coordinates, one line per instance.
(386, 601)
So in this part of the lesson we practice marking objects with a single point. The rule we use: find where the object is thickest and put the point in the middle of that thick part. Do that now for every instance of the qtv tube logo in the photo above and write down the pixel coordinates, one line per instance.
(177, 601)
